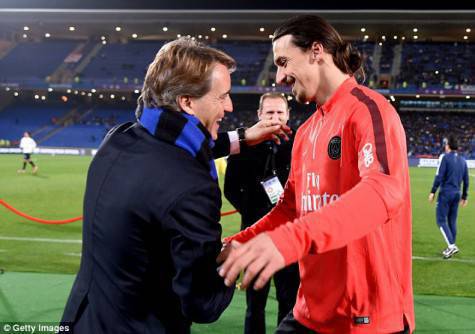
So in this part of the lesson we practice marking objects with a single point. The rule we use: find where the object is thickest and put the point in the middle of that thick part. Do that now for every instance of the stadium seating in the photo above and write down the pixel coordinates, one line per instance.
(19, 118)
(425, 132)
(436, 65)
(121, 63)
(32, 62)
(90, 128)
(250, 57)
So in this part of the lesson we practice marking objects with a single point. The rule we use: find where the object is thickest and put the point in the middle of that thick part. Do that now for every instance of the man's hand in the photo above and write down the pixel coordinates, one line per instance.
(431, 197)
(464, 202)
(226, 249)
(267, 130)
(258, 257)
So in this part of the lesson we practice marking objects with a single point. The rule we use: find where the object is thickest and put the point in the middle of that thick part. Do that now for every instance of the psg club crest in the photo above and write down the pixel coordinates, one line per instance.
(334, 148)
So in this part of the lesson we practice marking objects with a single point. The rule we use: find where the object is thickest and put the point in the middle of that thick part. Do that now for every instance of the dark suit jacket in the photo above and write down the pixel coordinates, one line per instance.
(151, 236)
(246, 170)
(222, 145)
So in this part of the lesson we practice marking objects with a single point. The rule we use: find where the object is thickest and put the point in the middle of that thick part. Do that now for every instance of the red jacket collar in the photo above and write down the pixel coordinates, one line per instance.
(342, 90)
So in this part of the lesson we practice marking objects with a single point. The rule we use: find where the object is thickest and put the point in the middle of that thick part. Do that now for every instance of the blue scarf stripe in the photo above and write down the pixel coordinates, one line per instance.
(149, 119)
(190, 138)
(213, 172)
(182, 130)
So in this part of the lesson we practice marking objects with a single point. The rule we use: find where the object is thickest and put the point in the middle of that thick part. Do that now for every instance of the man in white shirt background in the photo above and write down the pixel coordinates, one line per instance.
(27, 145)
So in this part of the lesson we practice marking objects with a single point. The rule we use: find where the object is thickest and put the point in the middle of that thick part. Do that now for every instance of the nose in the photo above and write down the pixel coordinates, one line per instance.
(228, 104)
(275, 117)
(280, 76)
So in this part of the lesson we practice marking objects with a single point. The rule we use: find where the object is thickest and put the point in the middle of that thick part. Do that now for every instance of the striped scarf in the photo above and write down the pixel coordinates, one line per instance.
(182, 130)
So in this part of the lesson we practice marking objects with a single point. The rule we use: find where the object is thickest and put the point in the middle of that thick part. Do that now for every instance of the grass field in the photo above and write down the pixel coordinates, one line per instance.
(57, 190)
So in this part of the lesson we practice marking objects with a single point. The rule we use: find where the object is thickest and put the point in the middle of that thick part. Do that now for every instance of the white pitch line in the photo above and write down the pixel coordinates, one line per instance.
(440, 259)
(62, 241)
(73, 254)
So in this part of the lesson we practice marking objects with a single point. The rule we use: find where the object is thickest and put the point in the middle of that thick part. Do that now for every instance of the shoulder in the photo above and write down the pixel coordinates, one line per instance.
(370, 102)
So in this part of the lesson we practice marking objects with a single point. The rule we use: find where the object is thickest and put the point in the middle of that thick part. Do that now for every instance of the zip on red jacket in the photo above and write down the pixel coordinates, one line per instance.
(345, 215)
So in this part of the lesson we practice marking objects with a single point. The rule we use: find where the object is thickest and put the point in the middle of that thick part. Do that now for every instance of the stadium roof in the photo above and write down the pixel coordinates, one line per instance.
(148, 18)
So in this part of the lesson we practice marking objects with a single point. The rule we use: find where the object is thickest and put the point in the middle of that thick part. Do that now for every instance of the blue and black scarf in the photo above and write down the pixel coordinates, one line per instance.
(182, 130)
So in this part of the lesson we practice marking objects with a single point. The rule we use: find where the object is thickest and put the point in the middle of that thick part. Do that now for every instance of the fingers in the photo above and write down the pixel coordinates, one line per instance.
(237, 260)
(276, 139)
(223, 255)
(264, 276)
(254, 269)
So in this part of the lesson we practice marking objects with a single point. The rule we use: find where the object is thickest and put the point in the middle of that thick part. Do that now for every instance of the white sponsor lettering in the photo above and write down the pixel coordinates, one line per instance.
(368, 154)
(311, 198)
(314, 202)
(313, 180)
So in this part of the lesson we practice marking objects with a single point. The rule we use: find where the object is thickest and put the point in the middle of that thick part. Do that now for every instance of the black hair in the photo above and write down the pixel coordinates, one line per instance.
(307, 29)
(453, 144)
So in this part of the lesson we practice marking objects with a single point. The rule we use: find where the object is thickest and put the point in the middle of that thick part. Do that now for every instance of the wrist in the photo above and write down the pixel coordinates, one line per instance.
(242, 135)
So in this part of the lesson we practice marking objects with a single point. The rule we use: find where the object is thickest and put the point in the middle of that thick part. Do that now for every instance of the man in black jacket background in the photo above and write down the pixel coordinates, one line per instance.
(253, 183)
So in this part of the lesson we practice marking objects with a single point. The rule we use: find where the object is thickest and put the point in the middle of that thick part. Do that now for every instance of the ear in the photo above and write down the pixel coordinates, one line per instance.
(186, 104)
(316, 51)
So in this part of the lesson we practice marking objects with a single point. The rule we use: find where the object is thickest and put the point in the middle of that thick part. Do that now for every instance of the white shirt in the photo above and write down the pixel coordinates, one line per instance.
(27, 144)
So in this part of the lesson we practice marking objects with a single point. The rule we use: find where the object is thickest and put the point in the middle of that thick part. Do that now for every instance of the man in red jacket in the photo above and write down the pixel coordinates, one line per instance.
(345, 214)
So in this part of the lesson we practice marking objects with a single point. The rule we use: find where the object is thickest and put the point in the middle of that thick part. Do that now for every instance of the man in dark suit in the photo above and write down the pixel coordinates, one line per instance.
(151, 229)
(253, 183)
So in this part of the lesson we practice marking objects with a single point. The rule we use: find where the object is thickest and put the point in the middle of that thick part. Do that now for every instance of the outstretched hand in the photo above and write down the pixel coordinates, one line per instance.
(267, 130)
(259, 258)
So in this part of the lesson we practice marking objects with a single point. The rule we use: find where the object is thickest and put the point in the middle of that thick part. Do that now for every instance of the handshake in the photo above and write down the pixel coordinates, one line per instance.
(259, 258)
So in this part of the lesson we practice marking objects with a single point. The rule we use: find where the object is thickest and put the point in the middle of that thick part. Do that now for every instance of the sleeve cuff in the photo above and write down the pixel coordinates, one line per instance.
(234, 147)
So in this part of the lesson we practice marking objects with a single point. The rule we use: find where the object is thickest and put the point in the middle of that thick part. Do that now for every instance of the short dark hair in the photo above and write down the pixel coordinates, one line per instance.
(307, 29)
(452, 142)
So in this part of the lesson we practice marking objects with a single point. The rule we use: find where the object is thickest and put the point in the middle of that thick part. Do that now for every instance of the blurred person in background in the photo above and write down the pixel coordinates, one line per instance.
(28, 146)
(452, 171)
(253, 184)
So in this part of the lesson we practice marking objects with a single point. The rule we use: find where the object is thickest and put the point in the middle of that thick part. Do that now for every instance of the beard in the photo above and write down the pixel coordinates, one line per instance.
(300, 96)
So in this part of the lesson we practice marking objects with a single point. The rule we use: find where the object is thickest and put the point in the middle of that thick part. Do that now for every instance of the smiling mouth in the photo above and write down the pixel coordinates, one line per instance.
(290, 81)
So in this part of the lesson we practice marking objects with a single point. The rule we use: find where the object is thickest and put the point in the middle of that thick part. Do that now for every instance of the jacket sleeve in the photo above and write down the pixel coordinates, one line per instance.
(465, 182)
(283, 212)
(235, 188)
(441, 169)
(382, 190)
(195, 234)
(222, 145)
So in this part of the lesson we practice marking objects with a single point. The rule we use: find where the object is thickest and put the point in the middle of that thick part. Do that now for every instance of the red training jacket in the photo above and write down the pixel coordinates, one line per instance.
(345, 216)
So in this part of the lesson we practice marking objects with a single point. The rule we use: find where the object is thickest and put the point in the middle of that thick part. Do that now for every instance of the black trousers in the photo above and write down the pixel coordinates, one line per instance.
(290, 325)
(286, 283)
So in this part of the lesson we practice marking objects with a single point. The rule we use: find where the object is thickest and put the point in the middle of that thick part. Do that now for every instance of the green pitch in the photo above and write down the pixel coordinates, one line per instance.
(57, 190)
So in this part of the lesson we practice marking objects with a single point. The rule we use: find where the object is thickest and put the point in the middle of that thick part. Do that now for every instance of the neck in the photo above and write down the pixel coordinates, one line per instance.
(331, 79)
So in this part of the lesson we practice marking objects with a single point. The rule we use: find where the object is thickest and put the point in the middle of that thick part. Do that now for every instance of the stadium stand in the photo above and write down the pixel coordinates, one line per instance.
(38, 118)
(436, 65)
(32, 62)
(120, 63)
(425, 132)
(91, 64)
(250, 57)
